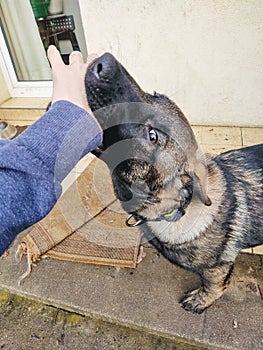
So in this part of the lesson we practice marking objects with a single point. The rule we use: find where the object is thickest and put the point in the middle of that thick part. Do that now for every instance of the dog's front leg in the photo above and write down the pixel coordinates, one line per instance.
(214, 282)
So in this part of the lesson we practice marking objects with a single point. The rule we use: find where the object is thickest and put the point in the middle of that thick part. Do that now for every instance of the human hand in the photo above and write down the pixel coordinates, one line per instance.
(68, 80)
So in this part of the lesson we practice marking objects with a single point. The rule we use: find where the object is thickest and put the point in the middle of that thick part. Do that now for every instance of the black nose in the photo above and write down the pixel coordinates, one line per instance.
(104, 67)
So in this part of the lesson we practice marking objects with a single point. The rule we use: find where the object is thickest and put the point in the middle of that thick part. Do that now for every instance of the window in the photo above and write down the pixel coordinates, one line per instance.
(23, 43)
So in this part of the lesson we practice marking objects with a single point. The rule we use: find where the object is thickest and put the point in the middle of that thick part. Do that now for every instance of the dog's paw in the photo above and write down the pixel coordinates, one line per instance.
(195, 301)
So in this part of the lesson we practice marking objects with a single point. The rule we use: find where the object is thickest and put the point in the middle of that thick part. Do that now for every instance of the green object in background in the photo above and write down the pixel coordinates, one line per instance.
(40, 8)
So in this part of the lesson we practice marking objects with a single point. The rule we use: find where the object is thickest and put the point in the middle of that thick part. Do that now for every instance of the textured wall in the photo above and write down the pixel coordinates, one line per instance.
(205, 54)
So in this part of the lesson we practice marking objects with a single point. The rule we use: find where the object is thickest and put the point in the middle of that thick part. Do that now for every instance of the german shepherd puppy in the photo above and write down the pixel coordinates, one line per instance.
(198, 211)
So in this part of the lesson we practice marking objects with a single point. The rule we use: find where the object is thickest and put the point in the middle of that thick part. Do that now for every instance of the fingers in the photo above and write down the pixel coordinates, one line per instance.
(75, 57)
(54, 56)
(69, 80)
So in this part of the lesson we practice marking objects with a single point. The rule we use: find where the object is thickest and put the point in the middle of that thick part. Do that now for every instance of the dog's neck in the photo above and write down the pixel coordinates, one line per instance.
(198, 217)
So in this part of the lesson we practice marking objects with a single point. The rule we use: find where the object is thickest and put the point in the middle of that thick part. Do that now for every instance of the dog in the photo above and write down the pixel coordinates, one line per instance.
(198, 211)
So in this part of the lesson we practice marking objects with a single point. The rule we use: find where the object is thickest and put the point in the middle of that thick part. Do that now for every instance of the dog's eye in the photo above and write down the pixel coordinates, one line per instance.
(153, 136)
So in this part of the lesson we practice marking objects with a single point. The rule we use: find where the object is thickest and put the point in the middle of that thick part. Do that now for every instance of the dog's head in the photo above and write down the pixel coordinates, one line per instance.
(148, 144)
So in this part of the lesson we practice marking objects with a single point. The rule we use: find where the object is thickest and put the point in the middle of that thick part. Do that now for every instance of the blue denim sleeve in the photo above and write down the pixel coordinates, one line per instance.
(33, 165)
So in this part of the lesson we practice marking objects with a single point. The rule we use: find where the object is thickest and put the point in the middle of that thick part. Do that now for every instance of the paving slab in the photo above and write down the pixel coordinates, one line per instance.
(146, 298)
(236, 320)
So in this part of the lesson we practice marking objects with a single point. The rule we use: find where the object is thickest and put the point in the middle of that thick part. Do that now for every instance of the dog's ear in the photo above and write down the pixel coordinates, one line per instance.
(201, 174)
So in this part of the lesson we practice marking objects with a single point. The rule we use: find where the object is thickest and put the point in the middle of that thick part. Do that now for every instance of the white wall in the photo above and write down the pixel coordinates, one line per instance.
(204, 54)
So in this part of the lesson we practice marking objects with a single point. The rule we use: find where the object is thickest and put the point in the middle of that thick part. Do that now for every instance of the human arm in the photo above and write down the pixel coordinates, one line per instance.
(33, 165)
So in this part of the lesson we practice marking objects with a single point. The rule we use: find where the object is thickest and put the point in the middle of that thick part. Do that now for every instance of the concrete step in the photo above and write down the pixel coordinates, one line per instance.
(27, 324)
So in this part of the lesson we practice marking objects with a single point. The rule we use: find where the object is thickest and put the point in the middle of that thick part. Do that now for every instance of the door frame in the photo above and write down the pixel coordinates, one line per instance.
(20, 88)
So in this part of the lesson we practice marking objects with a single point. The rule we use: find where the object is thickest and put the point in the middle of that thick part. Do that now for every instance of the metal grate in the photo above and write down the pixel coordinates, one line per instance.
(60, 23)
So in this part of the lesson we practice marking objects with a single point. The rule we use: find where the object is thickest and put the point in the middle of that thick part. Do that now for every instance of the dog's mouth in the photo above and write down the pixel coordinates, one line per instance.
(137, 184)
(174, 213)
(139, 187)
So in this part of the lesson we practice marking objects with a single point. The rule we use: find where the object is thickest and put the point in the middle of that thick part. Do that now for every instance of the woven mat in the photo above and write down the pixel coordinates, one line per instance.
(86, 225)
